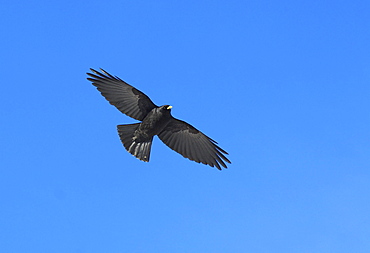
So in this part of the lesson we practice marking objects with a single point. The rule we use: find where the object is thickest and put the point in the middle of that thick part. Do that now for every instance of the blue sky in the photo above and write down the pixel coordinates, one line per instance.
(283, 86)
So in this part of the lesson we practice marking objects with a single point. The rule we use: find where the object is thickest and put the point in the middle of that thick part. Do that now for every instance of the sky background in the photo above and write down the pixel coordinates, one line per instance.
(283, 86)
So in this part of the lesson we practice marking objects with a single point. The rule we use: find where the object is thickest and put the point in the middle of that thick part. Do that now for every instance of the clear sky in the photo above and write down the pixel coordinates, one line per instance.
(283, 86)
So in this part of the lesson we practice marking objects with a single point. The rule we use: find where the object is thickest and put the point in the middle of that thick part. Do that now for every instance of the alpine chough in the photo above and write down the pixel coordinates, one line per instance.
(155, 120)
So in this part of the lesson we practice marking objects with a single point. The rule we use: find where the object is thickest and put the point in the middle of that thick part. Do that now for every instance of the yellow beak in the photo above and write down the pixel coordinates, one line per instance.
(169, 107)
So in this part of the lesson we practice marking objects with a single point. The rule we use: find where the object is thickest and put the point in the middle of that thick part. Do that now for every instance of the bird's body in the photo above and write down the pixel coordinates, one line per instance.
(155, 120)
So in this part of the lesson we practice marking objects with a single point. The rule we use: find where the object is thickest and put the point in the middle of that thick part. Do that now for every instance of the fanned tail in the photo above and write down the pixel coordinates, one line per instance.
(140, 150)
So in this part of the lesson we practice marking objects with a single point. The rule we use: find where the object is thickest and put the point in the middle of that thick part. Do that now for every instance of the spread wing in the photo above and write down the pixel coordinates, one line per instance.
(126, 98)
(193, 144)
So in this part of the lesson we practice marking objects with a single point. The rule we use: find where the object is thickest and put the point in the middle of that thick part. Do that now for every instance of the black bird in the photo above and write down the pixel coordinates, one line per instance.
(155, 120)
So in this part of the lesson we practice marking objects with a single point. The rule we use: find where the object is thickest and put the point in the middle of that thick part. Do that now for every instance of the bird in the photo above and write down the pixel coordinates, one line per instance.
(155, 120)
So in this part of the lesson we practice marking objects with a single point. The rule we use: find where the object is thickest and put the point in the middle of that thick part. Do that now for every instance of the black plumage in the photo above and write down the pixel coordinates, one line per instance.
(155, 120)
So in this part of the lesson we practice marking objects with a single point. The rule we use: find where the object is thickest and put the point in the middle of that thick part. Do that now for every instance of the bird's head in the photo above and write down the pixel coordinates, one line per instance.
(166, 109)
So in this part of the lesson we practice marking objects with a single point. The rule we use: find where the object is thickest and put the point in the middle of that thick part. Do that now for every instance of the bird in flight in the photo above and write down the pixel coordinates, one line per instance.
(155, 120)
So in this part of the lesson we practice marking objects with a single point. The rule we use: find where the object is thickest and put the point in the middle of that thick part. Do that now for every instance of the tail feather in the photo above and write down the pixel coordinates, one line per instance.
(140, 150)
